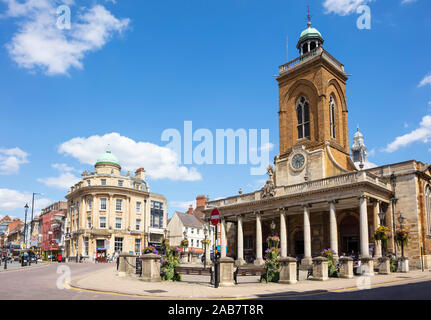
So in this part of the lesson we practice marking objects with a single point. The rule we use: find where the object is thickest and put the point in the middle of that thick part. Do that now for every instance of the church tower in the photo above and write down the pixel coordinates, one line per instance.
(313, 124)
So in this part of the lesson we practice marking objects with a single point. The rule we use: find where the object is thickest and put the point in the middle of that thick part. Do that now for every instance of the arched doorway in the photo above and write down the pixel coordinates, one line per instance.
(349, 235)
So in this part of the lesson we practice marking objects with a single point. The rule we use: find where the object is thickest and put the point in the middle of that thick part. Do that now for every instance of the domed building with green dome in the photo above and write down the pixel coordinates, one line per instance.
(111, 212)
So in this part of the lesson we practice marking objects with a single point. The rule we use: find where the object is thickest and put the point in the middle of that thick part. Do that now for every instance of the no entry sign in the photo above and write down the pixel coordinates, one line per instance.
(215, 217)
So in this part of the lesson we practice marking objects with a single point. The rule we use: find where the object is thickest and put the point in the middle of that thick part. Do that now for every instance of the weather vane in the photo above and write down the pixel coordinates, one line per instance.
(309, 16)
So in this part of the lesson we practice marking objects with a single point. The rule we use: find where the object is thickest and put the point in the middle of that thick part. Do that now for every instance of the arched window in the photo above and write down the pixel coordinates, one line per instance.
(428, 208)
(332, 116)
(303, 114)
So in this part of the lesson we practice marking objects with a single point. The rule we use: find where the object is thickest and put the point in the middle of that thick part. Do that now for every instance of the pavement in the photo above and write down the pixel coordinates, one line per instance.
(17, 266)
(107, 281)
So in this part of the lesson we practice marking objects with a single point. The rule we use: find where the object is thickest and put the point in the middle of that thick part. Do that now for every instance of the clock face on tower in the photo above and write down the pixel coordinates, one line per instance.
(298, 161)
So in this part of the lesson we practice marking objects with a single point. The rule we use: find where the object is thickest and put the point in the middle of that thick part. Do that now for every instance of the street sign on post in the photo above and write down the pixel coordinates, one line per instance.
(215, 217)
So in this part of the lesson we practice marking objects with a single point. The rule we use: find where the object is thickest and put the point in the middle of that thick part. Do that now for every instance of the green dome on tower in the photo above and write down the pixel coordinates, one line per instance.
(310, 33)
(108, 157)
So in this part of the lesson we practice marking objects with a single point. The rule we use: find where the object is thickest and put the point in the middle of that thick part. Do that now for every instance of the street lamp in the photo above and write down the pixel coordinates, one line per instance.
(205, 254)
(273, 227)
(165, 241)
(401, 220)
(393, 180)
(25, 231)
(382, 216)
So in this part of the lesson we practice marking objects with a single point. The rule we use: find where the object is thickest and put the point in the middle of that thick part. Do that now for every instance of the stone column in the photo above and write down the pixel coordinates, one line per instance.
(378, 223)
(363, 227)
(333, 228)
(259, 260)
(283, 233)
(307, 237)
(240, 243)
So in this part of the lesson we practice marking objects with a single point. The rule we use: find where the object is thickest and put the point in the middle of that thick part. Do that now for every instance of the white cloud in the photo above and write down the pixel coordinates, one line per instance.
(423, 134)
(66, 179)
(159, 162)
(343, 7)
(38, 44)
(407, 1)
(182, 206)
(13, 200)
(425, 81)
(11, 159)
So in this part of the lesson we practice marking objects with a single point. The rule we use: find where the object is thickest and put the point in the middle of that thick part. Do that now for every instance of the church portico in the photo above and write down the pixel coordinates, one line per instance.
(307, 222)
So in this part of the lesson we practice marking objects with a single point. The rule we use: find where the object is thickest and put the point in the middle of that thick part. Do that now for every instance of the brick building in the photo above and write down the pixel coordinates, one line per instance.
(53, 220)
(317, 195)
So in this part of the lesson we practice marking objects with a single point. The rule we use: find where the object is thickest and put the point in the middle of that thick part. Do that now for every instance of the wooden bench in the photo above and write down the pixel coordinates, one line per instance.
(249, 271)
(196, 271)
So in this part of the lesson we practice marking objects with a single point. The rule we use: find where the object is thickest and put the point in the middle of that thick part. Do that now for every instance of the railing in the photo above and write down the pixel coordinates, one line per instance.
(336, 181)
(301, 59)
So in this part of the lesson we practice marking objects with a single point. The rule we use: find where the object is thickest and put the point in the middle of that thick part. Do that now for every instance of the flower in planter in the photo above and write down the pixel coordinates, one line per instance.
(382, 234)
(149, 249)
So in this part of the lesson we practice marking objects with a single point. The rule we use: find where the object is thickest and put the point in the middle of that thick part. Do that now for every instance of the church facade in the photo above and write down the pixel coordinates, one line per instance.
(318, 195)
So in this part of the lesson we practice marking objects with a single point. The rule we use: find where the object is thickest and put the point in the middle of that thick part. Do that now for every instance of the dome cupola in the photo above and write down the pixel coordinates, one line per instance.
(309, 39)
(108, 158)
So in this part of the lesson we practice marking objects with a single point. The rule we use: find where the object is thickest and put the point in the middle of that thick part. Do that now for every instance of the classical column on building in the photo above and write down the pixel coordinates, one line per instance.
(333, 230)
(283, 232)
(363, 227)
(259, 259)
(307, 260)
(223, 238)
(240, 242)
(377, 223)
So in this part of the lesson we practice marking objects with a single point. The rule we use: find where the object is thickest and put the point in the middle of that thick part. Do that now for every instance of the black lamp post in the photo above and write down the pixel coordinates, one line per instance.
(205, 254)
(166, 239)
(401, 220)
(25, 231)
(382, 216)
(393, 180)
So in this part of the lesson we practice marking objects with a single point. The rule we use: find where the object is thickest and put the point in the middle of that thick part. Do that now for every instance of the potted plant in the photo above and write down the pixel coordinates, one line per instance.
(382, 234)
(332, 267)
(273, 241)
(272, 265)
(184, 243)
(402, 237)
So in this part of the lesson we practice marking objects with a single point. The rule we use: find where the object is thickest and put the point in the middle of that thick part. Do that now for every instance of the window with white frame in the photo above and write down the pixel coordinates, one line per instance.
(102, 222)
(120, 183)
(137, 246)
(118, 245)
(138, 207)
(119, 205)
(138, 224)
(191, 243)
(103, 204)
(118, 223)
(193, 230)
(89, 204)
(89, 222)
(197, 243)
(103, 182)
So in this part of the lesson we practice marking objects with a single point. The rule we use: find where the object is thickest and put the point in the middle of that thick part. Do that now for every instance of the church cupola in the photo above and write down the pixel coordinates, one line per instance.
(359, 152)
(309, 39)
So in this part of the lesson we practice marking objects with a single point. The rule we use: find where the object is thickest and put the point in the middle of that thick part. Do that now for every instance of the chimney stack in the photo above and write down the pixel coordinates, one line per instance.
(200, 202)
(190, 211)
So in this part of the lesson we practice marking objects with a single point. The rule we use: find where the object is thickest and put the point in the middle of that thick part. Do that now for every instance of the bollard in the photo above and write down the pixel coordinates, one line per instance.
(5, 263)
(384, 265)
(226, 266)
(150, 268)
(216, 273)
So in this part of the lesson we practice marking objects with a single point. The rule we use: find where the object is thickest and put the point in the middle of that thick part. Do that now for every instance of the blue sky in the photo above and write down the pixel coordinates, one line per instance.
(127, 70)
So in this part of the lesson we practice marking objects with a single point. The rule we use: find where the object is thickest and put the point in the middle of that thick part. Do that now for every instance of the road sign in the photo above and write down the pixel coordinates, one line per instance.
(215, 217)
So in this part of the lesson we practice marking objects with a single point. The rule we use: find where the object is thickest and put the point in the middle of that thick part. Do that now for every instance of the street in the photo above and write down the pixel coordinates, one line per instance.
(40, 283)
